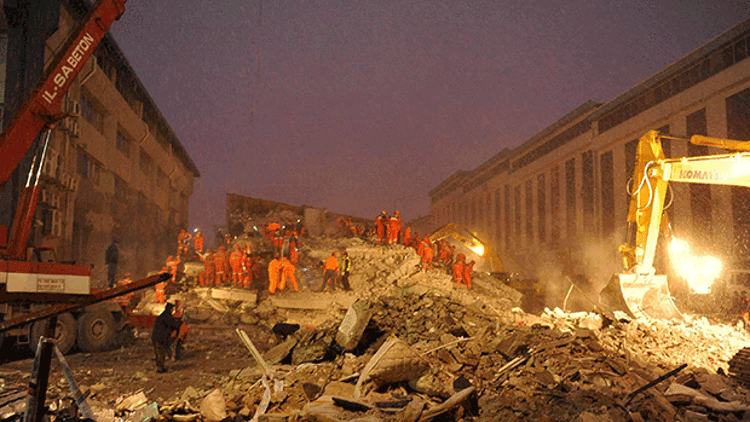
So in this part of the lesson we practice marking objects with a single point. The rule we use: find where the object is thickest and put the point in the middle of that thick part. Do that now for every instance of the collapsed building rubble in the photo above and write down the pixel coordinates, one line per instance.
(410, 345)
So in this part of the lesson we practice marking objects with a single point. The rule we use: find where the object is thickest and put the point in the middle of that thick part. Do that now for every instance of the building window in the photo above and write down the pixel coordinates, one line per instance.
(87, 167)
(121, 189)
(608, 194)
(541, 206)
(554, 203)
(123, 143)
(570, 197)
(145, 163)
(587, 194)
(92, 114)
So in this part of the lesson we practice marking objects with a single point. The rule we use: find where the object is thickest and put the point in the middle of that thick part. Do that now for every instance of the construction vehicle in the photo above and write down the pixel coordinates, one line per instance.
(638, 291)
(30, 278)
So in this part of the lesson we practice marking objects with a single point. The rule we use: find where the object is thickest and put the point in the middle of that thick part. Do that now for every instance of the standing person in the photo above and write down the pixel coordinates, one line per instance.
(247, 270)
(220, 260)
(394, 227)
(407, 236)
(183, 240)
(208, 275)
(458, 268)
(330, 268)
(172, 267)
(274, 274)
(161, 336)
(380, 224)
(346, 269)
(198, 240)
(111, 257)
(235, 261)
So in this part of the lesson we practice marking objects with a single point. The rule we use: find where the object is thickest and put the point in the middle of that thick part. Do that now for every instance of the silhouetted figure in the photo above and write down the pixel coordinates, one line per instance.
(111, 256)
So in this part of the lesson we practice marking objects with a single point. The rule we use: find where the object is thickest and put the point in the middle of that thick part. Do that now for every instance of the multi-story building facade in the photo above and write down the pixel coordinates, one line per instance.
(114, 169)
(565, 188)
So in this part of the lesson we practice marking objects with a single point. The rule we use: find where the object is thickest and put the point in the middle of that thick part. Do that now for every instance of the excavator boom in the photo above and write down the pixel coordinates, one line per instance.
(639, 292)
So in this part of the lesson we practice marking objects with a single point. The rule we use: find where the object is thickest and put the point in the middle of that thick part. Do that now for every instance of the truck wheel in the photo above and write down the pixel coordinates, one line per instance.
(65, 332)
(96, 330)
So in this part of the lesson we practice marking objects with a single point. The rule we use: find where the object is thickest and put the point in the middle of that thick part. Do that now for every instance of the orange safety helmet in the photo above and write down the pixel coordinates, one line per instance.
(397, 212)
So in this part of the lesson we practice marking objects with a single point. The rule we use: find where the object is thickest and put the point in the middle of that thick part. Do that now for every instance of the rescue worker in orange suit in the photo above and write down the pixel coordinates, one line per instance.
(220, 260)
(172, 266)
(235, 261)
(294, 248)
(198, 240)
(159, 293)
(330, 268)
(427, 254)
(124, 300)
(415, 241)
(380, 224)
(274, 274)
(247, 270)
(183, 240)
(394, 228)
(468, 273)
(287, 274)
(208, 275)
(458, 268)
(407, 236)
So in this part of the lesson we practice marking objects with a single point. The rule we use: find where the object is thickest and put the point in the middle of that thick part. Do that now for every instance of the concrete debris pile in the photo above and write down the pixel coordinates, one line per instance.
(408, 345)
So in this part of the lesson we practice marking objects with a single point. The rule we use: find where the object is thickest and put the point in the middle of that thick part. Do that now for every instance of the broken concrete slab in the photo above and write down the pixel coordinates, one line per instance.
(228, 293)
(280, 351)
(353, 325)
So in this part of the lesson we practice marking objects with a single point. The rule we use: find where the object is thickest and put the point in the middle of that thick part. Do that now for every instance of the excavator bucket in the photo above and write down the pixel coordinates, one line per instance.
(639, 296)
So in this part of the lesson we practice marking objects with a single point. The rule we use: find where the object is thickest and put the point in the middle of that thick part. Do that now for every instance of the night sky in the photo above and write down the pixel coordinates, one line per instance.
(360, 106)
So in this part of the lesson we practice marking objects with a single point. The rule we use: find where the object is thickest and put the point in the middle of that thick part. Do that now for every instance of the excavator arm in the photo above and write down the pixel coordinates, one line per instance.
(639, 291)
(471, 242)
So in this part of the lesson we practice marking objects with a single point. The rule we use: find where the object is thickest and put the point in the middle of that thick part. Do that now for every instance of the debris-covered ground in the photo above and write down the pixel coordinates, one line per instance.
(404, 345)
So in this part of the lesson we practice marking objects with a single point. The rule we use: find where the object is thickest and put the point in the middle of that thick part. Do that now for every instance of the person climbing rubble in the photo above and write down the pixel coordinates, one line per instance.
(468, 273)
(171, 266)
(160, 295)
(274, 274)
(380, 224)
(330, 268)
(198, 241)
(287, 274)
(235, 261)
(161, 336)
(346, 269)
(183, 241)
(458, 268)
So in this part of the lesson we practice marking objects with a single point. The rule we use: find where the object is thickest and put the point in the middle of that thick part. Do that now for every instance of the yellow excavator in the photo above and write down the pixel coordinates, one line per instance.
(638, 291)
(473, 243)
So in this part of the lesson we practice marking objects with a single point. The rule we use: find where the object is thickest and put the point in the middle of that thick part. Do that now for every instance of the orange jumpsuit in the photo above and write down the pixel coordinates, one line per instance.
(274, 274)
(198, 242)
(458, 268)
(427, 256)
(208, 275)
(235, 261)
(380, 224)
(468, 272)
(394, 227)
(220, 259)
(331, 267)
(159, 294)
(287, 273)
(183, 239)
(407, 236)
(247, 270)
(172, 266)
